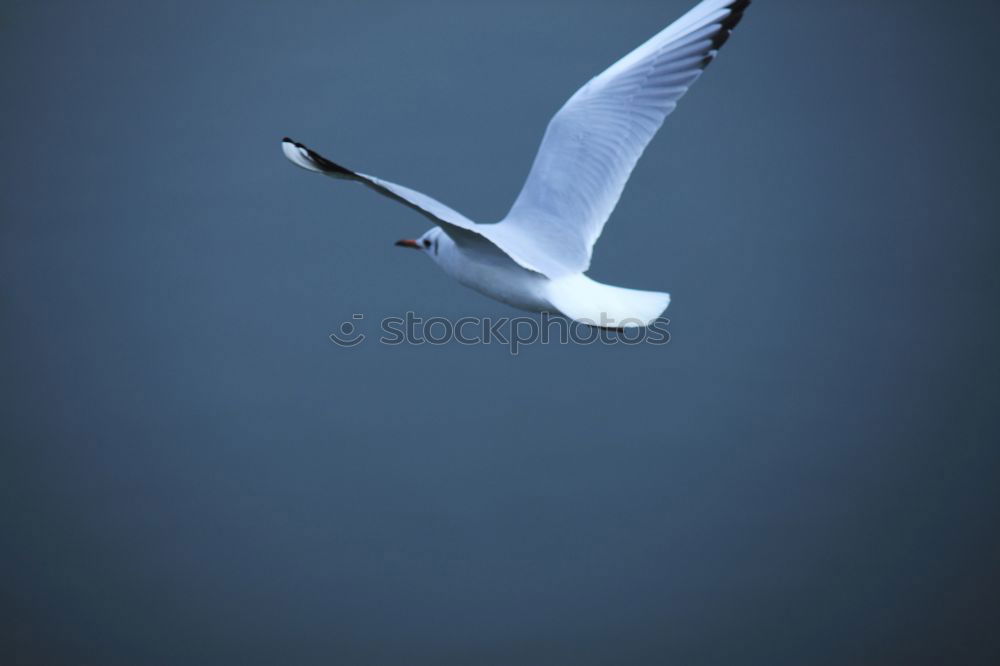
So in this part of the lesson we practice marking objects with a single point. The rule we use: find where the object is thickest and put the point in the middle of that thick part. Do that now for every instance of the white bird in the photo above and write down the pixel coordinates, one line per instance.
(536, 257)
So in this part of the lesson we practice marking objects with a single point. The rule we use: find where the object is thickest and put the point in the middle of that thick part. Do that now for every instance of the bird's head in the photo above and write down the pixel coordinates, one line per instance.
(429, 243)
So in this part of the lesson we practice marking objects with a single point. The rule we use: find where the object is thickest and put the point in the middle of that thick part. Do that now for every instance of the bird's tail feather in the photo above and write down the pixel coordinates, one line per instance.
(586, 301)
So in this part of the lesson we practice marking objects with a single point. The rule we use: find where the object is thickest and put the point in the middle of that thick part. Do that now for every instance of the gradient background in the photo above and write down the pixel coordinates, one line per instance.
(192, 473)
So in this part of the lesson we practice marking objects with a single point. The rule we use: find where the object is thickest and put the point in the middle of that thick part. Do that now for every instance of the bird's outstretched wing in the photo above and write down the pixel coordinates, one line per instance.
(592, 144)
(460, 228)
(484, 238)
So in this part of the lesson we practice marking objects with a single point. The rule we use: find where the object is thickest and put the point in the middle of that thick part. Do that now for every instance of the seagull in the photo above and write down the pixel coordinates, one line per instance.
(536, 258)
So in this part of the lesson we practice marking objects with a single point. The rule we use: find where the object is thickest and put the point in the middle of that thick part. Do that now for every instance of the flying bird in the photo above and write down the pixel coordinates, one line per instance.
(536, 258)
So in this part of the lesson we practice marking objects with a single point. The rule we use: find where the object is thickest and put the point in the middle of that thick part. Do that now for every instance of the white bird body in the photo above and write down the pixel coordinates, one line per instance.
(496, 275)
(536, 257)
(491, 273)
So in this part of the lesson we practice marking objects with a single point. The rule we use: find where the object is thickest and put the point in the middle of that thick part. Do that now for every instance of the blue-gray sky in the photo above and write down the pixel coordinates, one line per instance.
(192, 473)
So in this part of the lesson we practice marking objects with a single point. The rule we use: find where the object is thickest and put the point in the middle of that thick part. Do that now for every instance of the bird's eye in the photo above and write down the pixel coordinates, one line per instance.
(427, 242)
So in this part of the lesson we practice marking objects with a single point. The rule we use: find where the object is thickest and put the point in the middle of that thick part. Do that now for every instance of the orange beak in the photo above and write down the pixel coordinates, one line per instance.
(406, 242)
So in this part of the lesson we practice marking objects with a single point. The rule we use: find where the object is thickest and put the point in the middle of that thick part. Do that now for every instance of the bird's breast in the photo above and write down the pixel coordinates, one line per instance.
(497, 277)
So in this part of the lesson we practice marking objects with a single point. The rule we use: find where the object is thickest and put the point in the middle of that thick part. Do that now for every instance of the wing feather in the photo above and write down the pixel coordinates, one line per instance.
(460, 228)
(592, 144)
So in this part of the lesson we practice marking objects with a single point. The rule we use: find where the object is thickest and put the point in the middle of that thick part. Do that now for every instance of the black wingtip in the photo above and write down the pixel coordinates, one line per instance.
(736, 10)
(324, 164)
(721, 38)
(726, 26)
